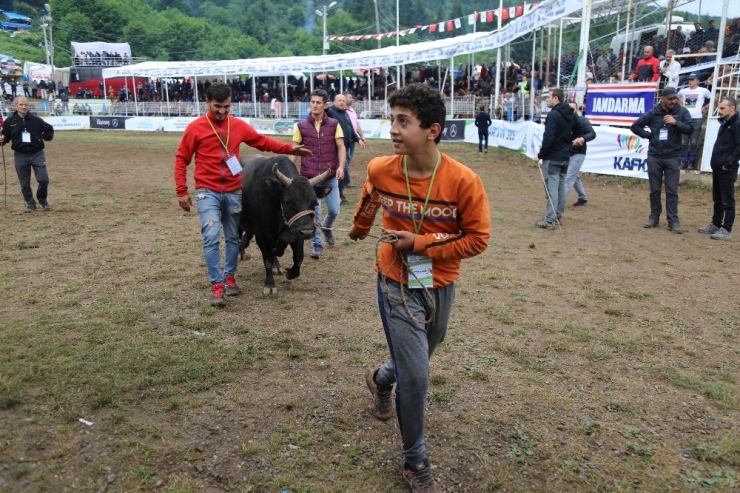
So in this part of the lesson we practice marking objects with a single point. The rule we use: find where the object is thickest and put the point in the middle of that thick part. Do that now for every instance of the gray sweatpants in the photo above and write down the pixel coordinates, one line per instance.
(411, 345)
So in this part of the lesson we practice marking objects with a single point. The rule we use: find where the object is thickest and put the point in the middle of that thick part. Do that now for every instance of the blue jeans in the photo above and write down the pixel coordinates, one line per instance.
(332, 203)
(216, 211)
(555, 178)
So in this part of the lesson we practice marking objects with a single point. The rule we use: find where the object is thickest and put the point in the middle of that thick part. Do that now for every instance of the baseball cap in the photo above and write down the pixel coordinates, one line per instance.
(686, 49)
(693, 75)
(669, 92)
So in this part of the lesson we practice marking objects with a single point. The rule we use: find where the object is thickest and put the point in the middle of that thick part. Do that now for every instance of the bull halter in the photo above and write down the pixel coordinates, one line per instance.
(289, 222)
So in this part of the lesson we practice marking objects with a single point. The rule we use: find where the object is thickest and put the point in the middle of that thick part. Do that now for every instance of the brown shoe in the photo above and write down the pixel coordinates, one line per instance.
(382, 407)
(420, 479)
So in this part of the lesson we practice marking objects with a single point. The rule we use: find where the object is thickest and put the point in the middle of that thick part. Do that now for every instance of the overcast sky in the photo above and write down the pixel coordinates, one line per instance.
(708, 7)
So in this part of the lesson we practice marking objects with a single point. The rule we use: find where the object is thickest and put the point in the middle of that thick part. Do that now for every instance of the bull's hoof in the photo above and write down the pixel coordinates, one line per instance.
(293, 273)
(269, 290)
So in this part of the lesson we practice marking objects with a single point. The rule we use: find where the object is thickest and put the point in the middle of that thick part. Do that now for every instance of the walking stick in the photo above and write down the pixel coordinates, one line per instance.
(5, 179)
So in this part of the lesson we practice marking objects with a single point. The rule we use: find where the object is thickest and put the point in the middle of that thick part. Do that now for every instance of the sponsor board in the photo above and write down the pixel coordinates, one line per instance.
(454, 130)
(68, 122)
(108, 122)
(158, 124)
(619, 104)
(511, 135)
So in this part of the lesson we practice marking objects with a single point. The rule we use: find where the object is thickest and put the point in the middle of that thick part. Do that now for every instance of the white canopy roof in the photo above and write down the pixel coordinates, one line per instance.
(100, 47)
(546, 12)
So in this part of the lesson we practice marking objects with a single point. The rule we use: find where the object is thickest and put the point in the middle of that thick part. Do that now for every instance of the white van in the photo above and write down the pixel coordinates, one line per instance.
(644, 35)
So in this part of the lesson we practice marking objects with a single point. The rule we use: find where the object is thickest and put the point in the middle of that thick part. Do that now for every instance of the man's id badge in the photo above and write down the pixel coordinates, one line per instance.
(420, 272)
(26, 137)
(234, 165)
(663, 134)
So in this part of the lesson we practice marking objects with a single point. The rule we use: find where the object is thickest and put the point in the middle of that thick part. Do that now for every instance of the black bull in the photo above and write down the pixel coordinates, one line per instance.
(278, 210)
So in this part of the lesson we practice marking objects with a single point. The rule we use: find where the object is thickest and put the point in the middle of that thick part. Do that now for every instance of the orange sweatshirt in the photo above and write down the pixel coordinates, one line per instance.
(457, 221)
(211, 171)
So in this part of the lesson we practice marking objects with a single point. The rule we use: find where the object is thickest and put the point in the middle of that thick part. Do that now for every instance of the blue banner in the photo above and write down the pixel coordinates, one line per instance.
(619, 104)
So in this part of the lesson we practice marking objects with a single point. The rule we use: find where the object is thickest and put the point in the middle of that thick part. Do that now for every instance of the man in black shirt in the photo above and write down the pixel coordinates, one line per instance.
(482, 121)
(27, 134)
(667, 121)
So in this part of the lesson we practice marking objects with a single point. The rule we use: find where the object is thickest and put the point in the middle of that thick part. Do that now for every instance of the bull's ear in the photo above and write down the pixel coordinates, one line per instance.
(322, 191)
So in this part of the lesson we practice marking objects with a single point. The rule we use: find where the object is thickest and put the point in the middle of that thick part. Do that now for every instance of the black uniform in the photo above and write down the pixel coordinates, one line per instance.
(482, 121)
(725, 157)
(27, 136)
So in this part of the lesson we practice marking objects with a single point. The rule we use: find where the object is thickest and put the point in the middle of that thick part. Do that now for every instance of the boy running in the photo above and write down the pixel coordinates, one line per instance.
(438, 209)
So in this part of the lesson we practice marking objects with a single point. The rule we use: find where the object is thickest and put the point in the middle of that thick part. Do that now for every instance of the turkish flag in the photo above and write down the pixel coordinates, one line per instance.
(519, 10)
(432, 28)
(505, 14)
(489, 16)
(449, 26)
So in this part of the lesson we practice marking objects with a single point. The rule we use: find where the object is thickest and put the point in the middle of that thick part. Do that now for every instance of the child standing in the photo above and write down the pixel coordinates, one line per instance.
(438, 209)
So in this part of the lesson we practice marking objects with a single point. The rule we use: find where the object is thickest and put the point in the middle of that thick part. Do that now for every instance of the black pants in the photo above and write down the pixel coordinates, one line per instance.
(481, 139)
(723, 193)
(658, 169)
(23, 165)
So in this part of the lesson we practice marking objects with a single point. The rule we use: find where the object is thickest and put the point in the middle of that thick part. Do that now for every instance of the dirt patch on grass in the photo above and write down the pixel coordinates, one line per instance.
(599, 357)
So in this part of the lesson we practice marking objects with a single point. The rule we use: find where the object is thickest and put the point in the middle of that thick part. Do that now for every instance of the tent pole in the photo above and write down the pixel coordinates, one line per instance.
(452, 87)
(531, 80)
(167, 92)
(585, 27)
(497, 81)
(560, 52)
(197, 101)
(254, 95)
(626, 39)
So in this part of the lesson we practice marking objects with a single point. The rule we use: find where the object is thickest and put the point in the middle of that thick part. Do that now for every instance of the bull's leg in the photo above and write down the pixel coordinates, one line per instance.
(267, 259)
(295, 270)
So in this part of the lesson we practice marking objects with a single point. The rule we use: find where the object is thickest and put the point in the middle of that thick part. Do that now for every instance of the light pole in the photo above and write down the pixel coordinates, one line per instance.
(50, 47)
(324, 42)
(44, 25)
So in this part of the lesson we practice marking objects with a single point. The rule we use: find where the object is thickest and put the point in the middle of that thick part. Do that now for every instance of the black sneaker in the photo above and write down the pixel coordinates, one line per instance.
(329, 235)
(30, 209)
(675, 228)
(420, 478)
(316, 251)
(651, 223)
(46, 206)
(343, 199)
(580, 202)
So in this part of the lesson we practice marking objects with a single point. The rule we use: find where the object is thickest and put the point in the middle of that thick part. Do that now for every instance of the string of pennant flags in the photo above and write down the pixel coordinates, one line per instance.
(486, 16)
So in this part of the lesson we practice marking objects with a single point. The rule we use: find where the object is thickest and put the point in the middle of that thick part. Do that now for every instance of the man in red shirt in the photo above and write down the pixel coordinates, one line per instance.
(214, 139)
(647, 68)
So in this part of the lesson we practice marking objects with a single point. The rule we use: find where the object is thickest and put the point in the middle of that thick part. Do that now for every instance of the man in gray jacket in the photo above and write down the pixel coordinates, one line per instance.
(582, 132)
(666, 122)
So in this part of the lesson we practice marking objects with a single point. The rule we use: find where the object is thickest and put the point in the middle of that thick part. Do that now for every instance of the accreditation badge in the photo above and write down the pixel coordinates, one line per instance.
(420, 273)
(26, 137)
(663, 135)
(234, 165)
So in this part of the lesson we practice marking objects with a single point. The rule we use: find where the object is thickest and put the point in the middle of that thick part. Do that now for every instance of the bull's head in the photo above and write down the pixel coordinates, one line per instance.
(298, 200)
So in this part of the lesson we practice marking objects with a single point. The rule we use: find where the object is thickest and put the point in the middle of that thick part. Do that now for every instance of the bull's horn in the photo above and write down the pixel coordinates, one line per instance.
(281, 177)
(318, 179)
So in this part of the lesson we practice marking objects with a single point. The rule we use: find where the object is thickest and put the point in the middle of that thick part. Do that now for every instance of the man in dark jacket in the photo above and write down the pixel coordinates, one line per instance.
(667, 122)
(582, 132)
(555, 154)
(482, 121)
(339, 113)
(27, 134)
(725, 158)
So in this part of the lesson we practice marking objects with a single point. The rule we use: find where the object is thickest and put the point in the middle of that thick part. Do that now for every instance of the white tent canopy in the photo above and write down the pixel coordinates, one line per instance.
(545, 13)
(100, 47)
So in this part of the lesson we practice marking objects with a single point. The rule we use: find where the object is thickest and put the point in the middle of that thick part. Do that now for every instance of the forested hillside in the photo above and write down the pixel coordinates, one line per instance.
(226, 29)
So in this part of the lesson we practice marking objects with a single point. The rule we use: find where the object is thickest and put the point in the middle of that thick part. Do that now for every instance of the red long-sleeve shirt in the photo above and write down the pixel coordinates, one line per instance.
(211, 171)
(456, 224)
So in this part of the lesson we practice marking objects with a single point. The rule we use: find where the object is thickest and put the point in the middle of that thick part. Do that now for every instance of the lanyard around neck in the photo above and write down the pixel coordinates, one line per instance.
(228, 131)
(417, 226)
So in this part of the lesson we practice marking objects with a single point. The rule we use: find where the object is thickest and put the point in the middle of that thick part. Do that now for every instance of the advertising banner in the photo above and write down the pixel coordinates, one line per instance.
(616, 151)
(371, 128)
(271, 127)
(511, 135)
(68, 122)
(108, 122)
(619, 104)
(158, 123)
(454, 131)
